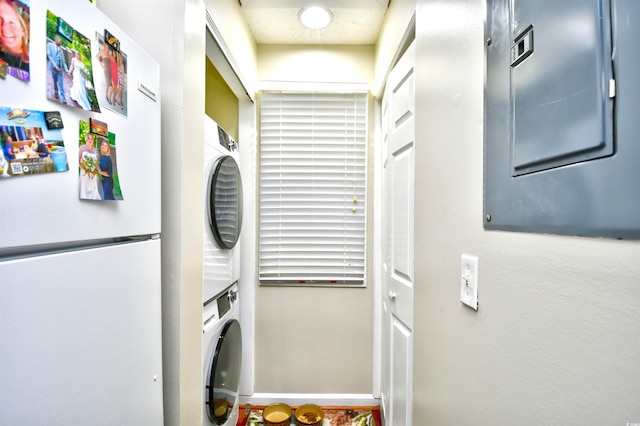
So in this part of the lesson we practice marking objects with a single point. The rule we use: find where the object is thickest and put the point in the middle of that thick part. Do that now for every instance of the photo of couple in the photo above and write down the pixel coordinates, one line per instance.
(69, 67)
(97, 166)
(14, 38)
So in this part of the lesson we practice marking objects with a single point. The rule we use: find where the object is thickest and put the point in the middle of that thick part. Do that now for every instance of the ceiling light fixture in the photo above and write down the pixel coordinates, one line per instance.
(315, 17)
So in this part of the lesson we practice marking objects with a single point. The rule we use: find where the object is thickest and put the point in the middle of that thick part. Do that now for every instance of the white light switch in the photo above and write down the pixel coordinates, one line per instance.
(469, 281)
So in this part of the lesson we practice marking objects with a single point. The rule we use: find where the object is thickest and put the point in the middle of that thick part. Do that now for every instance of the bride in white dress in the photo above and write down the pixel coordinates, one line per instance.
(88, 162)
(78, 91)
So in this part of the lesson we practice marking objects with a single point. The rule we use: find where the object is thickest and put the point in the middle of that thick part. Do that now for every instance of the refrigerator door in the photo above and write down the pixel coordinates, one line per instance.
(80, 337)
(46, 208)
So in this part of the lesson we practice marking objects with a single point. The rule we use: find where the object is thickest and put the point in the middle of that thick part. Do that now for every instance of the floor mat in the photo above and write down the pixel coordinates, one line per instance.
(333, 416)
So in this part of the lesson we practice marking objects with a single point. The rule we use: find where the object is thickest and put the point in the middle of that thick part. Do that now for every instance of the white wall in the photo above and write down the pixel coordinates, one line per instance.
(174, 35)
(555, 339)
(314, 340)
(235, 30)
(242, 50)
(316, 63)
(393, 27)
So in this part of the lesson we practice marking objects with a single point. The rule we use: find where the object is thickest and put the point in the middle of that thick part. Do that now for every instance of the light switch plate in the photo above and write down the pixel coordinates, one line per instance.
(469, 281)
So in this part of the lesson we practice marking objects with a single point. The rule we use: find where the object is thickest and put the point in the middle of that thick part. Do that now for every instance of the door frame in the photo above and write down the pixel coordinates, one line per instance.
(379, 157)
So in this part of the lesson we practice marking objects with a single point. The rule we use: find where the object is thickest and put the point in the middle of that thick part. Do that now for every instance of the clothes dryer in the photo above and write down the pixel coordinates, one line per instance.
(223, 215)
(222, 356)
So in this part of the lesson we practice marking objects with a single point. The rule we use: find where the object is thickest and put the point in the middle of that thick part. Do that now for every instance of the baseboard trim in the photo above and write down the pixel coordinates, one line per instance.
(322, 399)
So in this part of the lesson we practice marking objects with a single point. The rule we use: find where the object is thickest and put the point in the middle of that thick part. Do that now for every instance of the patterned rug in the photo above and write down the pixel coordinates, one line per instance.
(333, 416)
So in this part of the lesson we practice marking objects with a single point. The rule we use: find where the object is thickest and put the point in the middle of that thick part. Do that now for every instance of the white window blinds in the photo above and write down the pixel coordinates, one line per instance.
(312, 188)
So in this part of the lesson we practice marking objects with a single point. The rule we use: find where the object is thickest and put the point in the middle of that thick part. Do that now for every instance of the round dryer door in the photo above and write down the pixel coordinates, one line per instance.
(223, 379)
(225, 202)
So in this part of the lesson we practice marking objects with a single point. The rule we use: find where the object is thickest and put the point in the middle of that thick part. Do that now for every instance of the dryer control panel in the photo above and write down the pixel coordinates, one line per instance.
(217, 307)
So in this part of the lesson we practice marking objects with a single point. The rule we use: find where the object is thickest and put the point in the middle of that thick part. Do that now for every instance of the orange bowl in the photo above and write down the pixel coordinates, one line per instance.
(309, 415)
(278, 414)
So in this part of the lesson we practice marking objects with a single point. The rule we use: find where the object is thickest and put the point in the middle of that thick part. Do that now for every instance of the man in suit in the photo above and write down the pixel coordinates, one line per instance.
(56, 65)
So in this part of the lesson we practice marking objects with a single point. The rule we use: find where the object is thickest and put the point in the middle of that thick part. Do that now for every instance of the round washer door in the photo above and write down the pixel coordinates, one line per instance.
(223, 380)
(224, 203)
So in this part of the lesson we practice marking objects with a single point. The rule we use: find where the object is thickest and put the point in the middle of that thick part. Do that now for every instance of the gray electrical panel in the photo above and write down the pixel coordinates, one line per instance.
(562, 117)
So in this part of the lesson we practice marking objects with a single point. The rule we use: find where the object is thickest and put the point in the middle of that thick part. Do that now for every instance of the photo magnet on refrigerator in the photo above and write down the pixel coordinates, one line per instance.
(98, 168)
(69, 77)
(29, 145)
(53, 120)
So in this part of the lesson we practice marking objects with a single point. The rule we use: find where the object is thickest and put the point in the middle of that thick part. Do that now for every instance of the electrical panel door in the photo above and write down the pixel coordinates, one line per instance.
(560, 133)
(560, 76)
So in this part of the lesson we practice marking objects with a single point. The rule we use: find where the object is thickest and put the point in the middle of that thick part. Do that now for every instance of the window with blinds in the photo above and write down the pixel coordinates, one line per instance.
(312, 188)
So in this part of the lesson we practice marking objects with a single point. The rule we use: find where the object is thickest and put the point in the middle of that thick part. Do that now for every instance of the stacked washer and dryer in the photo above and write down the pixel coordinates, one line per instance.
(222, 336)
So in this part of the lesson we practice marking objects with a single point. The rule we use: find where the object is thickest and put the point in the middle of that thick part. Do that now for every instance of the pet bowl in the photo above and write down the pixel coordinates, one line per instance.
(309, 415)
(278, 414)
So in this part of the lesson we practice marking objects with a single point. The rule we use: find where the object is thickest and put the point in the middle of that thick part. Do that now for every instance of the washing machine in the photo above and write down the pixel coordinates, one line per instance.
(223, 216)
(222, 356)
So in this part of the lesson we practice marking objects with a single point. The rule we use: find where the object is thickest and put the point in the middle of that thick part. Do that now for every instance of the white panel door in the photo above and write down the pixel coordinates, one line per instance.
(399, 211)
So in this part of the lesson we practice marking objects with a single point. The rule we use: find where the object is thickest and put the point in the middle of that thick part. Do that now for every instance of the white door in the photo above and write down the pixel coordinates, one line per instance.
(398, 259)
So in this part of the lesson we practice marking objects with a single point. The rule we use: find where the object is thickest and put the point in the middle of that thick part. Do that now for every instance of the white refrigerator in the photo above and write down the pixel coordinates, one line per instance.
(80, 278)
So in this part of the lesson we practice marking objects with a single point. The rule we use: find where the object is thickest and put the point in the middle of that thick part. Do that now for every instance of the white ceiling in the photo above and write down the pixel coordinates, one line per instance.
(276, 21)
